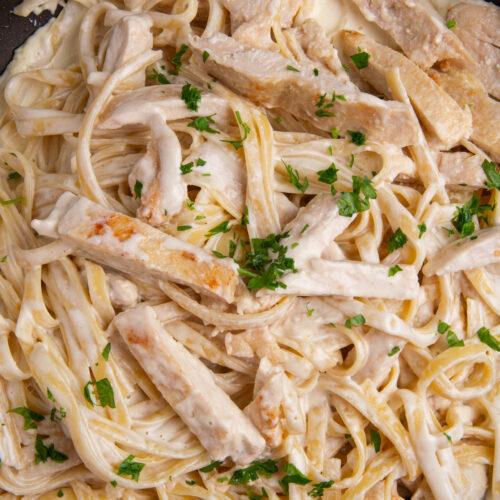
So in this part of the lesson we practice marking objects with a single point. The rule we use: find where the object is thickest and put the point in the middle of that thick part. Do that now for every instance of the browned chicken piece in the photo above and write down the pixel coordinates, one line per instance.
(190, 388)
(478, 26)
(417, 29)
(136, 248)
(439, 112)
(277, 82)
(480, 252)
(461, 170)
(467, 90)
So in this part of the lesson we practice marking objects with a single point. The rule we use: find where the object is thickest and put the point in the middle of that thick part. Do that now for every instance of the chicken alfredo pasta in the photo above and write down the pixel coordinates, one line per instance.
(251, 250)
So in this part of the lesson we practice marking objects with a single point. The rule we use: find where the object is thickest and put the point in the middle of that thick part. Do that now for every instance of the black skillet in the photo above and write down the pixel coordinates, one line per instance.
(14, 30)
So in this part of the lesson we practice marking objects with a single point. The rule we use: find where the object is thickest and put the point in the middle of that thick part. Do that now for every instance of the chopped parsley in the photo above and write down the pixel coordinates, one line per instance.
(442, 327)
(393, 351)
(310, 312)
(202, 123)
(187, 168)
(278, 119)
(351, 203)
(43, 453)
(10, 202)
(346, 68)
(304, 229)
(453, 340)
(57, 418)
(329, 175)
(316, 71)
(351, 162)
(114, 483)
(463, 218)
(14, 175)
(360, 59)
(295, 180)
(422, 228)
(267, 262)
(183, 228)
(138, 188)
(487, 338)
(211, 466)
(397, 240)
(451, 24)
(291, 68)
(191, 96)
(252, 472)
(394, 270)
(129, 468)
(357, 320)
(30, 417)
(4, 258)
(160, 77)
(106, 350)
(357, 138)
(60, 493)
(221, 228)
(293, 476)
(50, 396)
(190, 204)
(206, 55)
(448, 437)
(375, 440)
(104, 392)
(318, 489)
(334, 133)
(492, 173)
(244, 219)
(190, 482)
(449, 231)
(177, 59)
(239, 144)
(200, 162)
(347, 436)
(219, 255)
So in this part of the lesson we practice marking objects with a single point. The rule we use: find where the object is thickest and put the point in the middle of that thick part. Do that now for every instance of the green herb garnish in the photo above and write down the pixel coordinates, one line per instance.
(30, 417)
(357, 320)
(397, 240)
(394, 270)
(129, 468)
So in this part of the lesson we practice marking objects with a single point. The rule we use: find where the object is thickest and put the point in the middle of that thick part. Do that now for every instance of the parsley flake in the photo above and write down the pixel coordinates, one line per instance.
(129, 468)
(60, 493)
(487, 338)
(375, 439)
(160, 77)
(211, 466)
(252, 472)
(316, 71)
(191, 96)
(451, 24)
(14, 175)
(394, 270)
(239, 144)
(202, 123)
(293, 476)
(104, 392)
(442, 327)
(294, 178)
(334, 133)
(291, 68)
(422, 228)
(491, 172)
(357, 138)
(448, 437)
(328, 176)
(318, 489)
(50, 396)
(206, 55)
(393, 351)
(357, 320)
(30, 417)
(177, 59)
(106, 350)
(138, 188)
(221, 228)
(397, 240)
(360, 59)
(10, 202)
(453, 340)
(4, 258)
(183, 228)
(43, 453)
(244, 219)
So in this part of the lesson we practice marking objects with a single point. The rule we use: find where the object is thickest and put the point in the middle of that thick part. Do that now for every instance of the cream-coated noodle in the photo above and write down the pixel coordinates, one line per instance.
(251, 250)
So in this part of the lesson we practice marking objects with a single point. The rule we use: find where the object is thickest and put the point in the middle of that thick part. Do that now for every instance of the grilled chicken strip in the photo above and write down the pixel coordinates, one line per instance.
(436, 109)
(189, 387)
(480, 252)
(478, 26)
(467, 90)
(417, 29)
(135, 248)
(275, 81)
